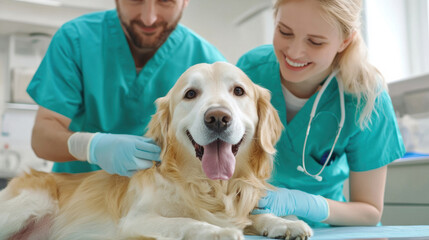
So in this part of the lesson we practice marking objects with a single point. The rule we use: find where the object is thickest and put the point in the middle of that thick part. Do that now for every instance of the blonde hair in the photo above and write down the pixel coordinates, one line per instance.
(358, 76)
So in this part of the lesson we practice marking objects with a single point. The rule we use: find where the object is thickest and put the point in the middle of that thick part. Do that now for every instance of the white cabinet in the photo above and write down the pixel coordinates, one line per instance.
(25, 54)
(406, 199)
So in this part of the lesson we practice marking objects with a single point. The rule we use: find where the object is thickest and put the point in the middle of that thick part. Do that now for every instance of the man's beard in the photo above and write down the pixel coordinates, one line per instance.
(143, 42)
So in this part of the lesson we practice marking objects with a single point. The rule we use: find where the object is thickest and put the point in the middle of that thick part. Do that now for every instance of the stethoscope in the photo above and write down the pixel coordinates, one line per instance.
(313, 113)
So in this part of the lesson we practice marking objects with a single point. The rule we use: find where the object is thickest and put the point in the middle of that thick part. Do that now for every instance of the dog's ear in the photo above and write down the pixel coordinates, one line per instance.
(269, 127)
(268, 132)
(158, 125)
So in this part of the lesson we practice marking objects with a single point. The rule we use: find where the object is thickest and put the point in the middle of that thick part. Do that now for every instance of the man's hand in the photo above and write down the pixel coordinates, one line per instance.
(115, 153)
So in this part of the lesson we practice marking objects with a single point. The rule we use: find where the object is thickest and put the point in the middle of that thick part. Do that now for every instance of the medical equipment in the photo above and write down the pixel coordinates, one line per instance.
(313, 113)
(10, 161)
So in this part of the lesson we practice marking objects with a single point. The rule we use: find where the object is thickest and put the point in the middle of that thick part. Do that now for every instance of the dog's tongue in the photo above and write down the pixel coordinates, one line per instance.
(218, 160)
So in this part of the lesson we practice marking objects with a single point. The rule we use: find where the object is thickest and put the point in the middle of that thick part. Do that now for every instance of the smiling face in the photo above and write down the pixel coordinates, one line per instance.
(216, 122)
(215, 115)
(305, 43)
(148, 23)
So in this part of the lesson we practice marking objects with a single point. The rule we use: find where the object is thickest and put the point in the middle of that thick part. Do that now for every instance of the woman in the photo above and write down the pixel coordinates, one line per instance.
(314, 39)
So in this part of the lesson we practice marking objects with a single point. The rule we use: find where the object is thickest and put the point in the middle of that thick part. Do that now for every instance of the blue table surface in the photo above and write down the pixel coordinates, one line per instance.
(380, 232)
(415, 154)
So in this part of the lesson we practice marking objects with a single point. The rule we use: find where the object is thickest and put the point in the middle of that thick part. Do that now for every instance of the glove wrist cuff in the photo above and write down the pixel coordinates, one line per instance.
(78, 145)
(312, 207)
(318, 209)
(326, 209)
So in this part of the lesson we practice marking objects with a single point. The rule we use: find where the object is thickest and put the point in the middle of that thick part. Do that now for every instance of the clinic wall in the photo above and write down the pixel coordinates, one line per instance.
(41, 17)
(397, 34)
(385, 53)
(234, 27)
(3, 66)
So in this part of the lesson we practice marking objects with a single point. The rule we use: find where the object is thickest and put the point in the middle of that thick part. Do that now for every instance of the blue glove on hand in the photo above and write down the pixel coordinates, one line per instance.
(283, 202)
(122, 154)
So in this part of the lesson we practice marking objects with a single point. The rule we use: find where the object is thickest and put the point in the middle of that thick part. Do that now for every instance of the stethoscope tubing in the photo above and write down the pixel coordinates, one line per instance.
(313, 113)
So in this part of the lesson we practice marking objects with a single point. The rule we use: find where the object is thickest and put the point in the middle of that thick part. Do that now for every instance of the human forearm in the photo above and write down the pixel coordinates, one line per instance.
(366, 200)
(353, 213)
(49, 137)
(115, 153)
(316, 208)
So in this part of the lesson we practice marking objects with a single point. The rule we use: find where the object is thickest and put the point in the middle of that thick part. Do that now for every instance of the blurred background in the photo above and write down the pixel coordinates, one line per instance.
(396, 32)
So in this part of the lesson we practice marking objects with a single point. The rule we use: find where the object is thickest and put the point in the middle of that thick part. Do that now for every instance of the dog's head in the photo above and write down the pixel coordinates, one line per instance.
(217, 119)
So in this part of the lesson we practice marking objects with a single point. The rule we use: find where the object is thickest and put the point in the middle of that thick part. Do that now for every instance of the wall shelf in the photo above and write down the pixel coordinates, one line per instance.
(22, 106)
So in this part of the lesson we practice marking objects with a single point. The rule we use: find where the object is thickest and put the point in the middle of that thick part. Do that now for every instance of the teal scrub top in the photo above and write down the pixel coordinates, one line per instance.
(88, 75)
(356, 149)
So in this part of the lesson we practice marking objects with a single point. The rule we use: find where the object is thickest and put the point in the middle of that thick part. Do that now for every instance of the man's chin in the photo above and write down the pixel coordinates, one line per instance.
(152, 42)
(149, 40)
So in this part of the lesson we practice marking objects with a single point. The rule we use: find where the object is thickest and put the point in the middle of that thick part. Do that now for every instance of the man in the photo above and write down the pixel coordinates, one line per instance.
(97, 84)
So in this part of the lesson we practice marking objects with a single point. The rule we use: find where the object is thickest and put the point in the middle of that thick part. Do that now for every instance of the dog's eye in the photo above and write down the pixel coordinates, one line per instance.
(190, 94)
(238, 91)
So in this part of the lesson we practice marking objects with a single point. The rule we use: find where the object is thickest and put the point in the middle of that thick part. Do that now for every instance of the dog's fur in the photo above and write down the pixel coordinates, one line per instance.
(187, 195)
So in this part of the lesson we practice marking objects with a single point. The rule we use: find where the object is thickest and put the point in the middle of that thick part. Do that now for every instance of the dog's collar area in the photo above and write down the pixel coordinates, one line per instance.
(199, 150)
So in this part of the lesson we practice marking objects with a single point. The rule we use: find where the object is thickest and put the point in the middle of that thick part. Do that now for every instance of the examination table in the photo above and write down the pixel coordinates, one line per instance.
(416, 232)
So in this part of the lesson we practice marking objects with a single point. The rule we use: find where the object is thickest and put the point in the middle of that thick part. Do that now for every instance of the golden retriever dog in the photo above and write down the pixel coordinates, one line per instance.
(217, 131)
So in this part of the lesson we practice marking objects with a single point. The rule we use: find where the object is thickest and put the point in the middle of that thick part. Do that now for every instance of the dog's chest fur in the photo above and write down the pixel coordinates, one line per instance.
(215, 202)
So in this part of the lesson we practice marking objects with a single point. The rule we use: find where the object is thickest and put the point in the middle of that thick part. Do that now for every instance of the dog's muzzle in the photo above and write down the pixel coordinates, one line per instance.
(217, 119)
(217, 157)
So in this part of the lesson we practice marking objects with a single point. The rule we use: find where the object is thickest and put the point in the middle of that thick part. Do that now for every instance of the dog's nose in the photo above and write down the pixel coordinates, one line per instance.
(217, 118)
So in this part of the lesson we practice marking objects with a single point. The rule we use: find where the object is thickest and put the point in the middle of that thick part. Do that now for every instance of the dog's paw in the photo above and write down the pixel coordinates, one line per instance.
(219, 234)
(297, 230)
(276, 227)
(229, 234)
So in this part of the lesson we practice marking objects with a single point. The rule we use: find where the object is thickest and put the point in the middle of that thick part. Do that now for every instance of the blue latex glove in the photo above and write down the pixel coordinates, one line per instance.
(122, 154)
(283, 202)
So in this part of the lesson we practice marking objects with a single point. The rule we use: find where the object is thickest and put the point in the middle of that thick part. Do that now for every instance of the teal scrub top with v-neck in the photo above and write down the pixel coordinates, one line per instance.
(356, 149)
(88, 75)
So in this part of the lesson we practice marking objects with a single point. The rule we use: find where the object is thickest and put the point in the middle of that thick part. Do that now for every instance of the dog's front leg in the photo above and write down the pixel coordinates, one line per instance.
(159, 227)
(276, 227)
